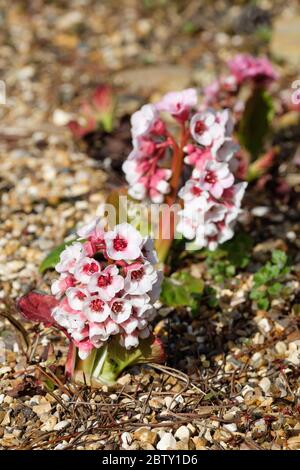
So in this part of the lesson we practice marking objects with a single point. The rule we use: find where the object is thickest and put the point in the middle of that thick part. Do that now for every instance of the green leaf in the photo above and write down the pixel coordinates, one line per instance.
(263, 303)
(181, 290)
(260, 278)
(256, 120)
(53, 258)
(275, 289)
(279, 257)
(210, 297)
(256, 294)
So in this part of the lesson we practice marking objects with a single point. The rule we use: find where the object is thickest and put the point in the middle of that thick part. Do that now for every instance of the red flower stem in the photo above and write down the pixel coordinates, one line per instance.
(177, 165)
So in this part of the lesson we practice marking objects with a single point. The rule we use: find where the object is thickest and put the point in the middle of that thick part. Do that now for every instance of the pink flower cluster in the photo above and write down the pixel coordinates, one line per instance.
(146, 168)
(246, 67)
(243, 68)
(107, 286)
(211, 198)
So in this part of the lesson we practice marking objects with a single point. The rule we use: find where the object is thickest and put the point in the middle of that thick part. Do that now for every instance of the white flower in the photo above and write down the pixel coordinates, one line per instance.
(59, 287)
(206, 130)
(98, 333)
(137, 191)
(140, 278)
(132, 171)
(106, 283)
(193, 194)
(129, 341)
(121, 310)
(95, 309)
(69, 257)
(85, 269)
(130, 325)
(123, 243)
(143, 120)
(79, 334)
(216, 177)
(178, 104)
(111, 327)
(76, 297)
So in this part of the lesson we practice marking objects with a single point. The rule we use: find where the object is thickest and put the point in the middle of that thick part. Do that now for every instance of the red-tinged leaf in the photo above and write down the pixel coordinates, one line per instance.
(35, 306)
(71, 360)
(102, 99)
(262, 164)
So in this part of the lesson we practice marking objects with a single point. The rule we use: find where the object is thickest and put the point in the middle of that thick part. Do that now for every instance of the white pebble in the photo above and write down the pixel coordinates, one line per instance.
(167, 442)
(182, 433)
(265, 384)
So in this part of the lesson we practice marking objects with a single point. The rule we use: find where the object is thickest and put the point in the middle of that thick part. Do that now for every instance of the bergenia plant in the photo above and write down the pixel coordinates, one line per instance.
(192, 163)
(95, 113)
(103, 300)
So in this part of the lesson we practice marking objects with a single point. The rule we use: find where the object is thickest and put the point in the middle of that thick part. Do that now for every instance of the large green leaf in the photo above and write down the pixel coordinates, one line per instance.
(181, 289)
(255, 122)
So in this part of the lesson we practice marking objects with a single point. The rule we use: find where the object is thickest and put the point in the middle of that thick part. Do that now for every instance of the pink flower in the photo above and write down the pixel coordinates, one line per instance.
(142, 121)
(111, 327)
(130, 325)
(69, 258)
(123, 243)
(245, 66)
(67, 317)
(159, 185)
(197, 156)
(98, 334)
(208, 129)
(84, 348)
(140, 278)
(95, 309)
(79, 334)
(59, 287)
(76, 297)
(215, 178)
(129, 341)
(121, 310)
(93, 232)
(107, 283)
(85, 269)
(193, 190)
(178, 104)
(140, 304)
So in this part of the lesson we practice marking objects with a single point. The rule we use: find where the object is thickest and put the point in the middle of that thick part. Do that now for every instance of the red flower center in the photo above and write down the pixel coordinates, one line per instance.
(104, 281)
(80, 295)
(120, 243)
(90, 268)
(210, 177)
(196, 191)
(200, 127)
(117, 307)
(138, 274)
(97, 305)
